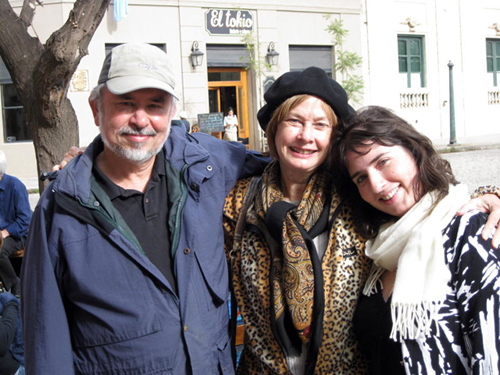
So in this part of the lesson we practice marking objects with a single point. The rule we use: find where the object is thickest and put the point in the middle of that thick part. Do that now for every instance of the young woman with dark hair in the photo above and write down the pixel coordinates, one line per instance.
(431, 304)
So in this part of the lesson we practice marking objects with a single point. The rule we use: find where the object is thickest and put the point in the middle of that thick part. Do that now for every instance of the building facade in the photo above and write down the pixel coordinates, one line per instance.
(409, 48)
(413, 49)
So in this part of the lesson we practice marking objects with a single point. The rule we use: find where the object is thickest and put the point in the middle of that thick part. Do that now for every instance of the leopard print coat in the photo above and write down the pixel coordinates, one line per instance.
(345, 269)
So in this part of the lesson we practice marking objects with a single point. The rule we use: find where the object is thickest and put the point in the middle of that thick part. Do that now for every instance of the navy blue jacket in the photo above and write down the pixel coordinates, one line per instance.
(92, 301)
(15, 211)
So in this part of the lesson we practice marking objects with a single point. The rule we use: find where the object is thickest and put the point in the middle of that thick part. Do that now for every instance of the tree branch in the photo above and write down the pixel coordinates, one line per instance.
(28, 11)
(65, 48)
(18, 49)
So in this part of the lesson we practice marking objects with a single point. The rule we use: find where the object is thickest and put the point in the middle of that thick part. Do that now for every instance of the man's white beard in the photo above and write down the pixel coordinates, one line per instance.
(136, 154)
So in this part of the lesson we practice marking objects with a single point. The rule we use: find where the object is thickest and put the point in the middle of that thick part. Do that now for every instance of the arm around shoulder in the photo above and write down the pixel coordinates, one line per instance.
(486, 199)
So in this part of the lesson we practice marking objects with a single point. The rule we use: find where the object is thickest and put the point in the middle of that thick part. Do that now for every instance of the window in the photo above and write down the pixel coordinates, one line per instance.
(15, 127)
(411, 61)
(493, 59)
(301, 57)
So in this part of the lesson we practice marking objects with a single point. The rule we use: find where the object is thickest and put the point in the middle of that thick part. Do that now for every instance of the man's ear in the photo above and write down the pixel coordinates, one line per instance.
(95, 111)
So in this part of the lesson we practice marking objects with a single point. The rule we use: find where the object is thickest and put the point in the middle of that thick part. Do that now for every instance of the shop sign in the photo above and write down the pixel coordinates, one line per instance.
(228, 22)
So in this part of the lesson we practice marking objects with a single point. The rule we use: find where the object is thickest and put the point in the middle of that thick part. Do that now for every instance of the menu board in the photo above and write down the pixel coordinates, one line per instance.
(211, 122)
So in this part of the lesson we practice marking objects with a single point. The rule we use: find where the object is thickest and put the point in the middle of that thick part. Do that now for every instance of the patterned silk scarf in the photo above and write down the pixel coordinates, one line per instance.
(293, 281)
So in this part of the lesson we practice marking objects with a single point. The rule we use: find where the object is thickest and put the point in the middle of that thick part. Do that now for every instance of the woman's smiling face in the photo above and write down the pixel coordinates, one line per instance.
(303, 138)
(385, 177)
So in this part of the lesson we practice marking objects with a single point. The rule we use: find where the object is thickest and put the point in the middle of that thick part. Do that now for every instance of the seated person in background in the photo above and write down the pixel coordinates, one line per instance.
(431, 301)
(11, 340)
(195, 128)
(15, 216)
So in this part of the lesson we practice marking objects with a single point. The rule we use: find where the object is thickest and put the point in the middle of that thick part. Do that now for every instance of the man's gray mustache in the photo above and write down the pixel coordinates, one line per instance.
(129, 131)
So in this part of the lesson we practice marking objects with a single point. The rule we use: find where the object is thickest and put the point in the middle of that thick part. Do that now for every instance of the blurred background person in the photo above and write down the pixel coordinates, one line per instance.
(15, 216)
(183, 121)
(230, 125)
(11, 336)
(195, 128)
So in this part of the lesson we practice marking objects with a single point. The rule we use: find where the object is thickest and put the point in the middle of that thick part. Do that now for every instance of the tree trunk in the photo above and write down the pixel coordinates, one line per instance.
(42, 73)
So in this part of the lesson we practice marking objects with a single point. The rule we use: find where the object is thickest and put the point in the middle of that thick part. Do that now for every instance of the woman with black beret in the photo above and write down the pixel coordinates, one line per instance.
(297, 262)
(430, 304)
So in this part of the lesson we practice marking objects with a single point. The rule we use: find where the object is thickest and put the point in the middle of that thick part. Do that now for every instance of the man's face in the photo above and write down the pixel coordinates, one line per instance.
(135, 125)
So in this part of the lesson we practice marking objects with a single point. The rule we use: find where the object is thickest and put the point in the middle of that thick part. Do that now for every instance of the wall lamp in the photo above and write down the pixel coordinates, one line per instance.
(196, 55)
(272, 56)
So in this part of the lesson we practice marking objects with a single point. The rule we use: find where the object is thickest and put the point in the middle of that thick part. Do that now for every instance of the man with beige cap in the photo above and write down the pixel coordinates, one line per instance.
(125, 271)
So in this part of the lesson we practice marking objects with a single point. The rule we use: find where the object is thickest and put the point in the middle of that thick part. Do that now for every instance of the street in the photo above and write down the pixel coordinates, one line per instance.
(476, 168)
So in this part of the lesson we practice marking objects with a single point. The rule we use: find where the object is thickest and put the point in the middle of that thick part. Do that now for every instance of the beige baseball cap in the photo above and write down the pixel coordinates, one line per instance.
(135, 66)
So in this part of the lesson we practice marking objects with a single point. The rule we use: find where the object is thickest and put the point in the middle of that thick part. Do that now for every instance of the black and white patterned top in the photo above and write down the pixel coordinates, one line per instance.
(466, 336)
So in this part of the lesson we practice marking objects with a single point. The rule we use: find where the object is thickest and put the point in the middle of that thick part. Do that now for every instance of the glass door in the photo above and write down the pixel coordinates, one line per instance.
(227, 87)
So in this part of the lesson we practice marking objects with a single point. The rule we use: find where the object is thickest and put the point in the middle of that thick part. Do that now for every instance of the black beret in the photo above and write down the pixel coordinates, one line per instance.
(312, 81)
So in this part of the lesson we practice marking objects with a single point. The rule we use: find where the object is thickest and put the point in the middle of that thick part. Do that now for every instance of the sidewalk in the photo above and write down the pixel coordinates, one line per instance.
(468, 143)
(31, 184)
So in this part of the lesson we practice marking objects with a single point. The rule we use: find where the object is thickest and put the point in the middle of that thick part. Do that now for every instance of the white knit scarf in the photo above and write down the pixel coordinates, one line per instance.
(414, 246)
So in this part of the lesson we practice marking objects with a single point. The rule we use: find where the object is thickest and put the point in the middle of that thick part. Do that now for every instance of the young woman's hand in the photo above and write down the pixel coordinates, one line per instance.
(488, 203)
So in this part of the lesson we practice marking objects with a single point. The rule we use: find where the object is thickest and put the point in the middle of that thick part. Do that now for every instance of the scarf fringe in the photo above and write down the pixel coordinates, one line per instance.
(412, 321)
(371, 283)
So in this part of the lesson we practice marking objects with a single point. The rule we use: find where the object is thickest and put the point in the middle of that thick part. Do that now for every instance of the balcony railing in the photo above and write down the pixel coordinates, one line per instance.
(493, 97)
(413, 99)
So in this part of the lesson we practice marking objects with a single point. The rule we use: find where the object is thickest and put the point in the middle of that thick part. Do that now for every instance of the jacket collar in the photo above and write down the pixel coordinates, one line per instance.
(182, 148)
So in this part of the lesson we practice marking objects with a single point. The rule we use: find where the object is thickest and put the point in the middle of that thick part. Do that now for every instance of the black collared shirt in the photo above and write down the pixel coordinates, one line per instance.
(146, 214)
